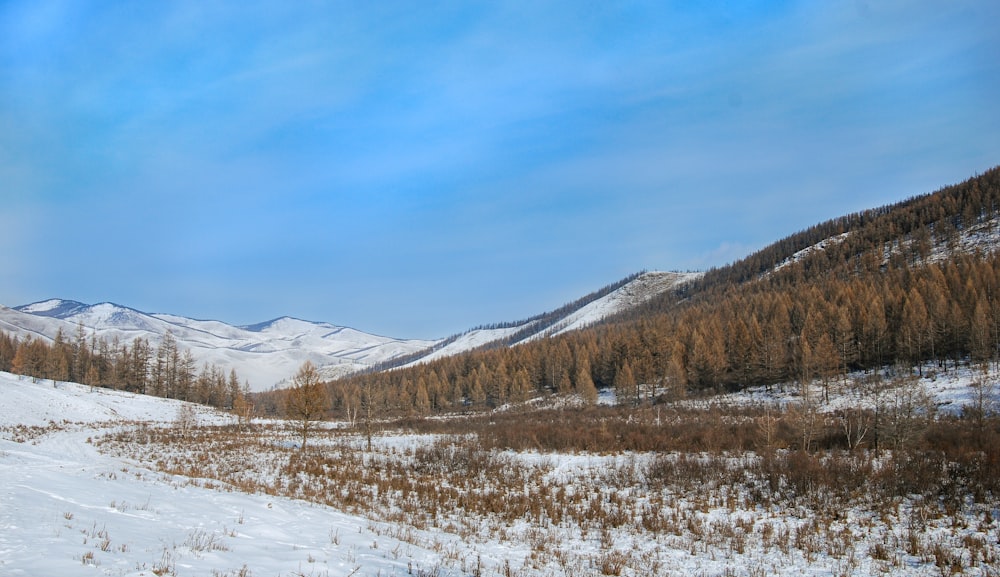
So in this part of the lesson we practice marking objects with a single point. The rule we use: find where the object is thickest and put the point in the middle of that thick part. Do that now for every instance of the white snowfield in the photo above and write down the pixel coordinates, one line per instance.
(66, 509)
(633, 294)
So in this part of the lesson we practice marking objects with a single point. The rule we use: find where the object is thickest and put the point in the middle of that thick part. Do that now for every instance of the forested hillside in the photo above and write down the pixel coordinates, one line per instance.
(904, 284)
(167, 370)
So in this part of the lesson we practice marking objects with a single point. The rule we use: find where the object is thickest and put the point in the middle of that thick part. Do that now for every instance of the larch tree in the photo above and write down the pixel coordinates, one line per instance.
(243, 407)
(625, 382)
(58, 359)
(371, 396)
(826, 362)
(421, 399)
(913, 327)
(585, 383)
(307, 401)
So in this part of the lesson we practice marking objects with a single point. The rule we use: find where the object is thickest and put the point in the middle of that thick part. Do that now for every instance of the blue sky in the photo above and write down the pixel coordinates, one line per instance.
(414, 169)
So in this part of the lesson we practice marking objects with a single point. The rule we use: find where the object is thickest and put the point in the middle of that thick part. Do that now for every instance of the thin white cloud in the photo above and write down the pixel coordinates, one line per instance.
(282, 137)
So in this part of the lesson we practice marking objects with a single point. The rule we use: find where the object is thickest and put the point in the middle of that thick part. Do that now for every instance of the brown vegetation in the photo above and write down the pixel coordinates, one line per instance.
(698, 479)
(875, 295)
(163, 371)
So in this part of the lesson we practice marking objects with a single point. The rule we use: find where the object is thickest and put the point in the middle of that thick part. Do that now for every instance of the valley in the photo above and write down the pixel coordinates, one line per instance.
(111, 483)
(828, 405)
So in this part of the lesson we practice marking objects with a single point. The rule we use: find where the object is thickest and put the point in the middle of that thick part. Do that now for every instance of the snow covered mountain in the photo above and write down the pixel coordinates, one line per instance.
(582, 313)
(268, 353)
(263, 354)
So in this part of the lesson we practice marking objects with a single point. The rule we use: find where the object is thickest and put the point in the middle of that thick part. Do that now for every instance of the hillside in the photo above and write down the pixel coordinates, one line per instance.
(267, 354)
(590, 310)
(900, 285)
(263, 354)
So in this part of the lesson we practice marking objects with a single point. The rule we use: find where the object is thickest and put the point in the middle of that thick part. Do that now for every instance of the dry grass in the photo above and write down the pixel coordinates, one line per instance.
(703, 489)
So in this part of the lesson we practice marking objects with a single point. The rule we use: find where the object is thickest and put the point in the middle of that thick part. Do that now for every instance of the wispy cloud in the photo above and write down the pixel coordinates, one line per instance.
(413, 170)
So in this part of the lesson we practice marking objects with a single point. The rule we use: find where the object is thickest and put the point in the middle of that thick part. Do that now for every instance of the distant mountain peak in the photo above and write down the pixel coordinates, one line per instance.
(270, 352)
(262, 354)
(258, 327)
(55, 308)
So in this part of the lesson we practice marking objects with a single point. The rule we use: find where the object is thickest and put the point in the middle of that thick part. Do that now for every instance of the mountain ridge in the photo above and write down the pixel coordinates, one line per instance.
(263, 357)
(268, 353)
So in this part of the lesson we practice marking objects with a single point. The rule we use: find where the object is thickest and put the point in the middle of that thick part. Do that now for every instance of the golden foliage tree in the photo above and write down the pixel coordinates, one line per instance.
(307, 401)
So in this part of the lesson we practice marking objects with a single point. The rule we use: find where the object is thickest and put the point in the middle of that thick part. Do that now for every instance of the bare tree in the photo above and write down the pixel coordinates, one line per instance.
(307, 400)
(348, 395)
(243, 407)
(805, 415)
(186, 418)
(767, 426)
(983, 403)
(370, 397)
(907, 410)
(856, 422)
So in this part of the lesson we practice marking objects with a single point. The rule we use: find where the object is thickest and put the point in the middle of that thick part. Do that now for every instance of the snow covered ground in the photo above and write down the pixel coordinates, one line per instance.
(948, 391)
(67, 508)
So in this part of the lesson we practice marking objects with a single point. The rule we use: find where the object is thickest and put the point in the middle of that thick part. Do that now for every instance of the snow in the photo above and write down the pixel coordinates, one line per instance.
(263, 357)
(821, 245)
(983, 236)
(41, 403)
(633, 294)
(468, 341)
(67, 508)
(949, 390)
(43, 306)
(638, 291)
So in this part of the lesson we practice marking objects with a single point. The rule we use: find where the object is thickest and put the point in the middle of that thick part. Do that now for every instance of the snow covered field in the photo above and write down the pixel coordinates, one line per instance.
(66, 509)
(90, 486)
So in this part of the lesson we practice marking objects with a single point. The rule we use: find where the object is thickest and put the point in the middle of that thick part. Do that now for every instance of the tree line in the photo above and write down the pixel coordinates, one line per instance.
(908, 230)
(166, 370)
(889, 286)
(892, 286)
(535, 325)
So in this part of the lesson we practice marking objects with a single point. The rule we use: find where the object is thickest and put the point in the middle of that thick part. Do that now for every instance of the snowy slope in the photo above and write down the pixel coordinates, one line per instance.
(634, 293)
(67, 509)
(468, 341)
(631, 295)
(40, 403)
(981, 237)
(821, 245)
(263, 354)
(269, 353)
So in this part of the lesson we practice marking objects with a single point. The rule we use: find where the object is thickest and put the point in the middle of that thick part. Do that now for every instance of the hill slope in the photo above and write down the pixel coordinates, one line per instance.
(900, 285)
(587, 311)
(268, 353)
(263, 354)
